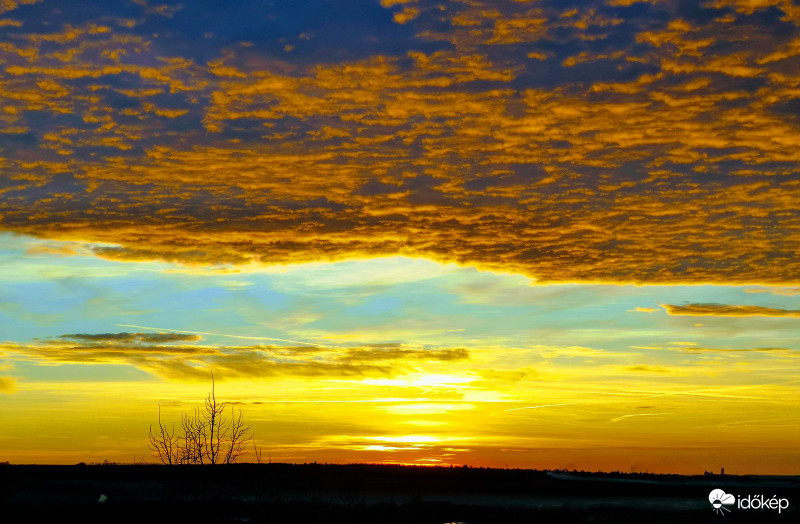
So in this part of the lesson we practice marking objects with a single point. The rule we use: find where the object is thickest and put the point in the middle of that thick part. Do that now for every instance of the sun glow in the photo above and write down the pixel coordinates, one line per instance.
(424, 380)
(426, 408)
(407, 439)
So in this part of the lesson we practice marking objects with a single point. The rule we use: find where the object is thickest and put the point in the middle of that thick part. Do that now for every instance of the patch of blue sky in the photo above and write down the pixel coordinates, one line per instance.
(392, 299)
(320, 28)
(33, 372)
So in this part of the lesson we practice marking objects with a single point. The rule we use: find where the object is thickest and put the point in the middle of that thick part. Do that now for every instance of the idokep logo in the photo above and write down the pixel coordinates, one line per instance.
(719, 500)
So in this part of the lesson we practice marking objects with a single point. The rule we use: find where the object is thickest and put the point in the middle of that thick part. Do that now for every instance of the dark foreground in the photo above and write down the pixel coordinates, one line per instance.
(320, 494)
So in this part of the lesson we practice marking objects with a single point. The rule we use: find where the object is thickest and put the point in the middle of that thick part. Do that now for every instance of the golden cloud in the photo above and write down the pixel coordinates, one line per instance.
(646, 309)
(786, 291)
(10, 5)
(170, 355)
(726, 310)
(406, 15)
(394, 352)
(677, 162)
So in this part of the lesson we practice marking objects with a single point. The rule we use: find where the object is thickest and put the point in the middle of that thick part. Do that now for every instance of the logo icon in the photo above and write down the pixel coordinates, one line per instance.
(719, 499)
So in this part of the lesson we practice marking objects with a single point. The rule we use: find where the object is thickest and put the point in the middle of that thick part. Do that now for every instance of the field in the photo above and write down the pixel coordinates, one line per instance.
(371, 493)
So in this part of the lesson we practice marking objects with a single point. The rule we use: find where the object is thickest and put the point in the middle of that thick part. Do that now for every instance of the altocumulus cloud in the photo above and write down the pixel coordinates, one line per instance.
(605, 141)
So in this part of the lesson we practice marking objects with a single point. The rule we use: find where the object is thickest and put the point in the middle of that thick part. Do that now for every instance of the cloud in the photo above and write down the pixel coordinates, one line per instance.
(10, 5)
(188, 257)
(785, 291)
(394, 352)
(642, 368)
(596, 143)
(170, 355)
(406, 15)
(390, 3)
(147, 338)
(506, 378)
(62, 250)
(782, 351)
(726, 310)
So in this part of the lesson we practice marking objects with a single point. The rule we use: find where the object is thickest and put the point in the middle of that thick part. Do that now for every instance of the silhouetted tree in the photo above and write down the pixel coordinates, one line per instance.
(209, 435)
(193, 426)
(163, 443)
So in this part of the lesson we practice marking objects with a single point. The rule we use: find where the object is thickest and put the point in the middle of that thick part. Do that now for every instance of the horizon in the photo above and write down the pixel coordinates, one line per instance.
(531, 234)
(155, 462)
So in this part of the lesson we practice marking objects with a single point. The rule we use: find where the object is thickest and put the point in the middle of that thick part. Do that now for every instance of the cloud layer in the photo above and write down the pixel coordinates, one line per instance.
(173, 356)
(608, 141)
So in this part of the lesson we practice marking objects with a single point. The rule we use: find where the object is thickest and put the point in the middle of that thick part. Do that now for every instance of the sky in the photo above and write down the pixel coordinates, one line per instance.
(538, 234)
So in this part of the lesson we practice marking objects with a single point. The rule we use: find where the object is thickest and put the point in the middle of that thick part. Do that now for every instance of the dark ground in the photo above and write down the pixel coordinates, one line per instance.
(320, 494)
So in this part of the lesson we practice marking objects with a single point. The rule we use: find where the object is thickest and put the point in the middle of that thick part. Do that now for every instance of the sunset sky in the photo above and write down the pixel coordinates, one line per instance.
(540, 234)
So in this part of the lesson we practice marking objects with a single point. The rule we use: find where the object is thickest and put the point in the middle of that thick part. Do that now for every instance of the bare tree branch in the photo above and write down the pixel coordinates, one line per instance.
(238, 437)
(193, 437)
(163, 443)
(216, 423)
(209, 435)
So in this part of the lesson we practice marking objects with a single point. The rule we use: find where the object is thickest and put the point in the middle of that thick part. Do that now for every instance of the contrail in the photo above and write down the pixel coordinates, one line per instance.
(221, 335)
(739, 423)
(638, 415)
(704, 392)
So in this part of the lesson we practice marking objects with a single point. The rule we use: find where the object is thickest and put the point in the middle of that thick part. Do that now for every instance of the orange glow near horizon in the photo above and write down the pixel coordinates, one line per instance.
(434, 232)
(300, 420)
